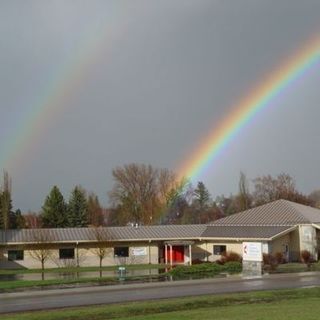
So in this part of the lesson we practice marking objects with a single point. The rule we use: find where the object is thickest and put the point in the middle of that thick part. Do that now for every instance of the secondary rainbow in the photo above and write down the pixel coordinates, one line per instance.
(52, 99)
(245, 111)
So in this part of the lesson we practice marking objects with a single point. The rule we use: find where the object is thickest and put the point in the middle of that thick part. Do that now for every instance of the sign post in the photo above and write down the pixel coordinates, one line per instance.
(252, 258)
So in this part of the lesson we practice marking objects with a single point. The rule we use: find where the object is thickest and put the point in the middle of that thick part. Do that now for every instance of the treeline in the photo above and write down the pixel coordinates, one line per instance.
(82, 209)
(145, 195)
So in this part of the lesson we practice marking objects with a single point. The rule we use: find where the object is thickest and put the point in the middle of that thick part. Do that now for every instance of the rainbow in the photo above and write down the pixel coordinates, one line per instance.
(61, 86)
(245, 111)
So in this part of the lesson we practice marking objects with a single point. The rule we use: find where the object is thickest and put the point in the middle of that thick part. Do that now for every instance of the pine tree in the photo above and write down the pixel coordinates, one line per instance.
(202, 199)
(95, 211)
(244, 198)
(5, 202)
(78, 208)
(17, 220)
(54, 210)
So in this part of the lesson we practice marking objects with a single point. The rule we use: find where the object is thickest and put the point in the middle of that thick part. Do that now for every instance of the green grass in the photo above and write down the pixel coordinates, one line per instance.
(279, 304)
(12, 285)
(297, 267)
(82, 269)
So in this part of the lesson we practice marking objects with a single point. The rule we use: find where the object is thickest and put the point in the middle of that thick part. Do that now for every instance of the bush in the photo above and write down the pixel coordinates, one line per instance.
(270, 261)
(279, 257)
(306, 257)
(229, 257)
(197, 261)
(233, 266)
(204, 268)
(207, 269)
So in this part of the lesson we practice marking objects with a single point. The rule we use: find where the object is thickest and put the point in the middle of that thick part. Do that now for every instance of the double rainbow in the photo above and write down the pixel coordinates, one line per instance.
(259, 98)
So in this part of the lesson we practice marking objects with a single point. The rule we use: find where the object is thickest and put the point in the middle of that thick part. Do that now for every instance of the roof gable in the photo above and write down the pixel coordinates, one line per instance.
(279, 212)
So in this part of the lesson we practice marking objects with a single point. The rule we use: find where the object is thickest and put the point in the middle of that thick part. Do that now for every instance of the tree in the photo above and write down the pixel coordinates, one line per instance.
(314, 197)
(227, 205)
(267, 189)
(17, 220)
(32, 220)
(95, 211)
(54, 210)
(141, 193)
(77, 208)
(244, 193)
(201, 199)
(41, 247)
(5, 202)
(102, 246)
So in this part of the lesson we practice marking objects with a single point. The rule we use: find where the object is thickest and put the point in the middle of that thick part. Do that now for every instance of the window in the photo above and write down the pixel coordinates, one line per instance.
(121, 251)
(219, 250)
(66, 253)
(15, 255)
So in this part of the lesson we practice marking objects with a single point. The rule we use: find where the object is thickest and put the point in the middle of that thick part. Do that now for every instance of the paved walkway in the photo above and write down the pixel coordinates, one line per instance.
(59, 298)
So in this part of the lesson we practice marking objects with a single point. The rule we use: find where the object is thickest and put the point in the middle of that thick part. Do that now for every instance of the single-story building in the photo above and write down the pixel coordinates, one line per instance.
(281, 226)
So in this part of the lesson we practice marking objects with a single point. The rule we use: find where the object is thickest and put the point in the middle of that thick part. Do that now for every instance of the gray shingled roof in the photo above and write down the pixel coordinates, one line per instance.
(245, 232)
(164, 232)
(264, 222)
(280, 212)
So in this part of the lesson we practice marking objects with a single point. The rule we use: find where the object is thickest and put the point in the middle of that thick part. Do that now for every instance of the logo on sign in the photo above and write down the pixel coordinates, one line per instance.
(252, 251)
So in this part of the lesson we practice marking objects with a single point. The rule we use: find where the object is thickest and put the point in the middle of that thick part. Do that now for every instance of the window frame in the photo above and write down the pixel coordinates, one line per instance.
(220, 251)
(67, 256)
(15, 255)
(125, 249)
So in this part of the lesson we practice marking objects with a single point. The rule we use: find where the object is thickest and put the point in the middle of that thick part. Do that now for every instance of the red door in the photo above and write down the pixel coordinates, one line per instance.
(177, 254)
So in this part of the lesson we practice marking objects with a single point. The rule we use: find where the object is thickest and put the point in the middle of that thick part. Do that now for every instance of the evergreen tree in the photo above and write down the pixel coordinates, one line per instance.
(244, 197)
(201, 199)
(54, 210)
(202, 196)
(17, 220)
(95, 211)
(78, 208)
(5, 202)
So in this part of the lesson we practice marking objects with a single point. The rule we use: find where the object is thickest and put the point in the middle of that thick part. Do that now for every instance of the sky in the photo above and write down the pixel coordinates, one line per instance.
(88, 85)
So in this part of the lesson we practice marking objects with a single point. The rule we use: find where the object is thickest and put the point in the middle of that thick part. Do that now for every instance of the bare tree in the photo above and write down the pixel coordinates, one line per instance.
(102, 245)
(41, 249)
(141, 192)
(32, 220)
(267, 189)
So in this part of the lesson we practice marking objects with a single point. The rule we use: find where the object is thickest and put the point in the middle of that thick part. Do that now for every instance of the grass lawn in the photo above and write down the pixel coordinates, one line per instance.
(83, 269)
(279, 304)
(297, 267)
(6, 286)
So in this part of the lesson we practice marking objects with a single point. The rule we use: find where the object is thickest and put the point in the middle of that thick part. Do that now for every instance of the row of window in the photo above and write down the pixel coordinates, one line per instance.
(67, 253)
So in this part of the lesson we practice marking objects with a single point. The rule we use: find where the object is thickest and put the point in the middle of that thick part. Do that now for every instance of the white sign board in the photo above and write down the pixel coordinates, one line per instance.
(252, 251)
(140, 251)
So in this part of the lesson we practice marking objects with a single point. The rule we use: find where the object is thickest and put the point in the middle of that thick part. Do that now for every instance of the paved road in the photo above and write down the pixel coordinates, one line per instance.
(50, 299)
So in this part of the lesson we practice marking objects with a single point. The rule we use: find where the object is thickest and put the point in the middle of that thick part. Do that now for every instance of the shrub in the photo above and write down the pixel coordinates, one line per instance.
(204, 268)
(270, 261)
(279, 257)
(306, 257)
(233, 266)
(229, 257)
(197, 261)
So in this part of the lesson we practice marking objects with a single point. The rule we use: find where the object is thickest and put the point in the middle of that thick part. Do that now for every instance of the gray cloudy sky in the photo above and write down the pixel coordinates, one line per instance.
(159, 75)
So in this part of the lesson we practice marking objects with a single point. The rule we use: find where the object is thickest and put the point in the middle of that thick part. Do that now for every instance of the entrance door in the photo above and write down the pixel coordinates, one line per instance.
(177, 254)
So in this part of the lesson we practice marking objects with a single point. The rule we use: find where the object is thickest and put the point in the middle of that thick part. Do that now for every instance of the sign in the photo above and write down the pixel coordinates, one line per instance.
(139, 251)
(252, 251)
